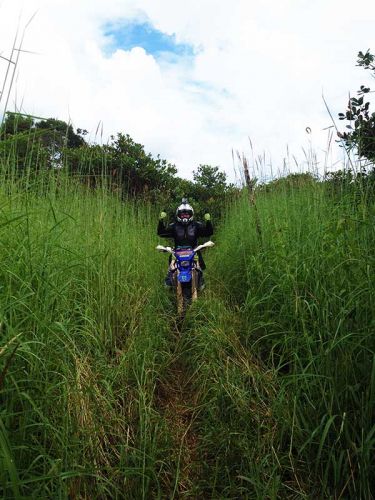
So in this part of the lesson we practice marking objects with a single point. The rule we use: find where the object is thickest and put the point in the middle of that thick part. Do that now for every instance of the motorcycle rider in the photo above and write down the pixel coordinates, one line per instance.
(185, 231)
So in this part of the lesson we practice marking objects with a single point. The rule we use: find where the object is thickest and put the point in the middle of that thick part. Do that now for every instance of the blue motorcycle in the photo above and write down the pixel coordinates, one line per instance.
(184, 268)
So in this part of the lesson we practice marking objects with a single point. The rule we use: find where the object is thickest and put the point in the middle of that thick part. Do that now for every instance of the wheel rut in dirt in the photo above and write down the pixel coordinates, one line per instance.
(178, 403)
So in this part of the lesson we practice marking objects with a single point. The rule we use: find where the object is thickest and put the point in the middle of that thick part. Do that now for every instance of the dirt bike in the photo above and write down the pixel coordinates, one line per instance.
(184, 269)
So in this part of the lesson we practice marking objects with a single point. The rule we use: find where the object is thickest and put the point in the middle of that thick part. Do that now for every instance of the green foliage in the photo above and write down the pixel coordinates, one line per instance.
(51, 133)
(125, 165)
(351, 186)
(83, 339)
(211, 189)
(235, 393)
(54, 134)
(289, 182)
(307, 297)
(15, 123)
(265, 391)
(361, 135)
(36, 143)
(208, 192)
(25, 152)
(148, 173)
(210, 179)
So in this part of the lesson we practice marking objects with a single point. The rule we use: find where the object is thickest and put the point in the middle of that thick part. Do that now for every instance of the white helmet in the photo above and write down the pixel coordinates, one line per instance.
(184, 212)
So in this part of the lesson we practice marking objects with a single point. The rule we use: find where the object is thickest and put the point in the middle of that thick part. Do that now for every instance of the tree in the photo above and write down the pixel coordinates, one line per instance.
(57, 133)
(211, 179)
(47, 130)
(15, 123)
(35, 141)
(32, 143)
(361, 135)
(211, 189)
(289, 182)
(125, 164)
(137, 171)
(208, 192)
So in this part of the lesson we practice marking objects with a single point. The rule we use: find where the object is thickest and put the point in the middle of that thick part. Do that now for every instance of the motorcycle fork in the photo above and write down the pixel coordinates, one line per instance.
(179, 299)
(194, 285)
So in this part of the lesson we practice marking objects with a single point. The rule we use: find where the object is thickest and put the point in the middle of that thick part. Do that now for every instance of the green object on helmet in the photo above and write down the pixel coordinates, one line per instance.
(162, 215)
(207, 217)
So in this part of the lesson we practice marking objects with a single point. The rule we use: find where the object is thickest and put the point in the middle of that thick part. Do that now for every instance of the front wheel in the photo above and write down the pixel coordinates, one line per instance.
(186, 293)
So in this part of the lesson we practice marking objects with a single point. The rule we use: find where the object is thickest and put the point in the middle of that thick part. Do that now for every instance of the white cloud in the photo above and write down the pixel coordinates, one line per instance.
(259, 71)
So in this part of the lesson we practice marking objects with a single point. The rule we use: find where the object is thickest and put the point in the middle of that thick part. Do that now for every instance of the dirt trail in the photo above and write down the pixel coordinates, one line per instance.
(178, 402)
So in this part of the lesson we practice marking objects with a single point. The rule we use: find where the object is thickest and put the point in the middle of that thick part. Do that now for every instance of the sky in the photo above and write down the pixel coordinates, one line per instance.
(194, 81)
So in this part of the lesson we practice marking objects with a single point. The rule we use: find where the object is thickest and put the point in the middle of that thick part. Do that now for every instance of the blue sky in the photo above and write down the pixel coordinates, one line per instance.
(128, 34)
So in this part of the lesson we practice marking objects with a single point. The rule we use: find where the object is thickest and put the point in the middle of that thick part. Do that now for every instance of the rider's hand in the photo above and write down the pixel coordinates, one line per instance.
(207, 217)
(162, 216)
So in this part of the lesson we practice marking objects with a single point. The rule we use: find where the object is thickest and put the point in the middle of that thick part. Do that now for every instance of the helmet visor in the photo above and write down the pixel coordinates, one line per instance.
(185, 214)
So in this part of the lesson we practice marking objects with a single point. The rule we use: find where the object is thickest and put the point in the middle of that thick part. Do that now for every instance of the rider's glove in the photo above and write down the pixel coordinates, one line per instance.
(207, 217)
(162, 215)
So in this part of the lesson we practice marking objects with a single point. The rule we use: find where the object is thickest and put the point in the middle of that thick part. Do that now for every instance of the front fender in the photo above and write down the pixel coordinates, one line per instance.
(184, 276)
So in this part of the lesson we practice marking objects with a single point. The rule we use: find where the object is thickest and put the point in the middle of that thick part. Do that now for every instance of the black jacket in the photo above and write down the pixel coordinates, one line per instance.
(186, 234)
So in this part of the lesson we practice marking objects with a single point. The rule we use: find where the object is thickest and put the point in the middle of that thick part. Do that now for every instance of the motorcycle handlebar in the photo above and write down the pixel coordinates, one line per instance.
(160, 248)
(208, 244)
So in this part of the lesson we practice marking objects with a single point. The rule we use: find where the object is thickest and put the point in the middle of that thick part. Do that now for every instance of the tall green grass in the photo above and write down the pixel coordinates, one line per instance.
(271, 375)
(303, 298)
(83, 339)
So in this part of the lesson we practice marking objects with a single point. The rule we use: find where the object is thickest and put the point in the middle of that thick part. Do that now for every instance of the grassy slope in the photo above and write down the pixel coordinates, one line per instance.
(267, 393)
(304, 303)
(79, 300)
